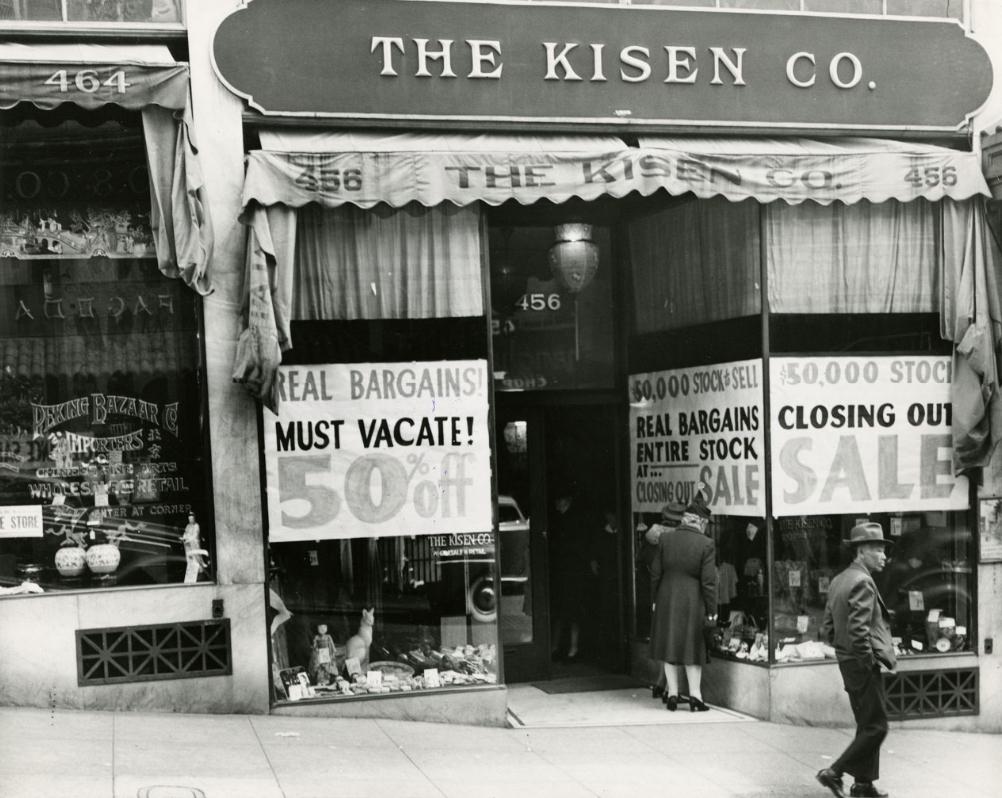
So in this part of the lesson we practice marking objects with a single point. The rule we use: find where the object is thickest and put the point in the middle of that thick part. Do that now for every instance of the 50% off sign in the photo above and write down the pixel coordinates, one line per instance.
(377, 494)
(324, 496)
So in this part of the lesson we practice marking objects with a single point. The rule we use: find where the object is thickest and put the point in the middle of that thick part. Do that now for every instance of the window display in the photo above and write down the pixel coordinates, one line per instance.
(370, 616)
(927, 583)
(100, 407)
(742, 588)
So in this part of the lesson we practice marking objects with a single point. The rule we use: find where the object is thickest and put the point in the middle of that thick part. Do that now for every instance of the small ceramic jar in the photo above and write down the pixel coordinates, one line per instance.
(103, 558)
(71, 561)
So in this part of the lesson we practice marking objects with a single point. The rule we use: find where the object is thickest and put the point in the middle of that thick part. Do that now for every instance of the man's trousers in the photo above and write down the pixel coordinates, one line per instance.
(866, 697)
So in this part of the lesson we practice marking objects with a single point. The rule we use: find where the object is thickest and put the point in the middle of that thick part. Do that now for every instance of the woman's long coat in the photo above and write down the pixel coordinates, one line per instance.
(684, 586)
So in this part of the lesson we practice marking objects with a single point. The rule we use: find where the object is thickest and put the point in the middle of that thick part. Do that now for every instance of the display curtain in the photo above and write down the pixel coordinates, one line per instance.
(412, 263)
(346, 263)
(695, 262)
(863, 258)
(179, 219)
(971, 317)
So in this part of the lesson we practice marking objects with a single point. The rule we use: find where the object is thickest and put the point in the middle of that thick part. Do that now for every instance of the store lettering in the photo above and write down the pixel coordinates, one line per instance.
(304, 436)
(732, 484)
(125, 487)
(801, 70)
(510, 176)
(45, 417)
(296, 385)
(99, 407)
(115, 307)
(686, 170)
(87, 444)
(594, 62)
(435, 431)
(863, 416)
(462, 539)
(410, 383)
(679, 64)
(848, 476)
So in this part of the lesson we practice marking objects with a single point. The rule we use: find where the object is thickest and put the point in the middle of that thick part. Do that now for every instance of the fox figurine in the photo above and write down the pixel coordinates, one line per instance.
(358, 644)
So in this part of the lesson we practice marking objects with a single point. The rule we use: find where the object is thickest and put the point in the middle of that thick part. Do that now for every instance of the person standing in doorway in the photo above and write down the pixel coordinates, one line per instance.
(604, 602)
(684, 586)
(570, 570)
(856, 623)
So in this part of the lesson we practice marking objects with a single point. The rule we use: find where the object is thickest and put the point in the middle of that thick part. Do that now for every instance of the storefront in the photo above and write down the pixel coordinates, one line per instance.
(107, 540)
(784, 316)
(473, 261)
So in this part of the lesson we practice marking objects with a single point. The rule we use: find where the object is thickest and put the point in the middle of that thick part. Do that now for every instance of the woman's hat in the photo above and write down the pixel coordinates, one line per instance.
(699, 508)
(869, 532)
(671, 513)
(696, 516)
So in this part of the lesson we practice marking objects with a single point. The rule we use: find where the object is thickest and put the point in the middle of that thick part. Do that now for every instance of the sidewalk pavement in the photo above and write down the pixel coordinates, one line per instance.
(49, 754)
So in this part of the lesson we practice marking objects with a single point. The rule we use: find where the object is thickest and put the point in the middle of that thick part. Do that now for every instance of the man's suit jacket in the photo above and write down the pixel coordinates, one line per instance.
(856, 621)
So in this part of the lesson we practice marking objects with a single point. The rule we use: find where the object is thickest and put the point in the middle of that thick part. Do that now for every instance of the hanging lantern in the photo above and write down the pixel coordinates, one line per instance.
(574, 256)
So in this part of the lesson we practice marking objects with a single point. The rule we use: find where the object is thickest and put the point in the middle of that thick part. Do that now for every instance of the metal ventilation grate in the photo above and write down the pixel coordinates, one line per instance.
(148, 653)
(932, 694)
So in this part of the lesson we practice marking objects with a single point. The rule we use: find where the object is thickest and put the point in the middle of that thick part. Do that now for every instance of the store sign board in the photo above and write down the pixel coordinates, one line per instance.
(379, 449)
(21, 521)
(698, 425)
(862, 435)
(482, 63)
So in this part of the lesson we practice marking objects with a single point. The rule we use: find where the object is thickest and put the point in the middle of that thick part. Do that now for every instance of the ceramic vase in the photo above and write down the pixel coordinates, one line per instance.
(71, 561)
(103, 558)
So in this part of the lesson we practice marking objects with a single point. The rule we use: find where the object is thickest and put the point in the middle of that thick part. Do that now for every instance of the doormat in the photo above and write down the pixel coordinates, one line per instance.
(589, 684)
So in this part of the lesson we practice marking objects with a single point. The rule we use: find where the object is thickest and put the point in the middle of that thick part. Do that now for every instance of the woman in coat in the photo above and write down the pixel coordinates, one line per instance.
(684, 586)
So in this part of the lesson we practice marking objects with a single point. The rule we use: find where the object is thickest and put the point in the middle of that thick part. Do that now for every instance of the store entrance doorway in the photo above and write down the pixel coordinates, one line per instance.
(562, 545)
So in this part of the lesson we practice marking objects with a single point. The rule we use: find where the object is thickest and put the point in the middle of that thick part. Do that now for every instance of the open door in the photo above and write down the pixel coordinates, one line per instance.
(539, 446)
(523, 619)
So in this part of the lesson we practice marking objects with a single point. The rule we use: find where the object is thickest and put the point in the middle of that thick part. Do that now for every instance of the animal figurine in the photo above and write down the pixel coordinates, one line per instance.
(358, 644)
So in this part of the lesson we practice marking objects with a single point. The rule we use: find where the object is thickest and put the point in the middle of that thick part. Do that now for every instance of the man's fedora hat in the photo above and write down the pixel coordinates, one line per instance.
(869, 532)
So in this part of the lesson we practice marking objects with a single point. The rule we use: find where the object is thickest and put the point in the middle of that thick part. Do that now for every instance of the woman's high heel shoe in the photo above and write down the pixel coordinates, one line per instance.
(671, 702)
(657, 691)
(696, 705)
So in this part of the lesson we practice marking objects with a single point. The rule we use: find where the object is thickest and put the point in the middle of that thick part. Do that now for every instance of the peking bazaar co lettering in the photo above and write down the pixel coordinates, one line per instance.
(482, 59)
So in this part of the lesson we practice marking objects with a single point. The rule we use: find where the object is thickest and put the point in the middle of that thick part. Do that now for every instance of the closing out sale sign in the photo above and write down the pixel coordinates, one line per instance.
(378, 449)
(698, 425)
(862, 434)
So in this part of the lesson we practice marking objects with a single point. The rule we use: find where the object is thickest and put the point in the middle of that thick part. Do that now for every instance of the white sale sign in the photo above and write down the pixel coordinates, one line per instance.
(698, 425)
(862, 435)
(379, 449)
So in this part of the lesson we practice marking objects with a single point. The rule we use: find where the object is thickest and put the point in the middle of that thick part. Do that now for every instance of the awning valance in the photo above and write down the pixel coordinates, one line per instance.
(91, 75)
(333, 169)
(142, 78)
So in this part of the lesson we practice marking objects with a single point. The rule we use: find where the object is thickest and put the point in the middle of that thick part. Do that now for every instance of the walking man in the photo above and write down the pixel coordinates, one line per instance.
(857, 624)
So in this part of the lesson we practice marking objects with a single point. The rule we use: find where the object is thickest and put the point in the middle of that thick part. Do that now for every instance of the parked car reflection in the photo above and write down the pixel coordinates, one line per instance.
(513, 533)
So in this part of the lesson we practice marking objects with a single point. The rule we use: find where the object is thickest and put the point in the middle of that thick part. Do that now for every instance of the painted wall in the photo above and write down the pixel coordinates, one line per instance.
(38, 662)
